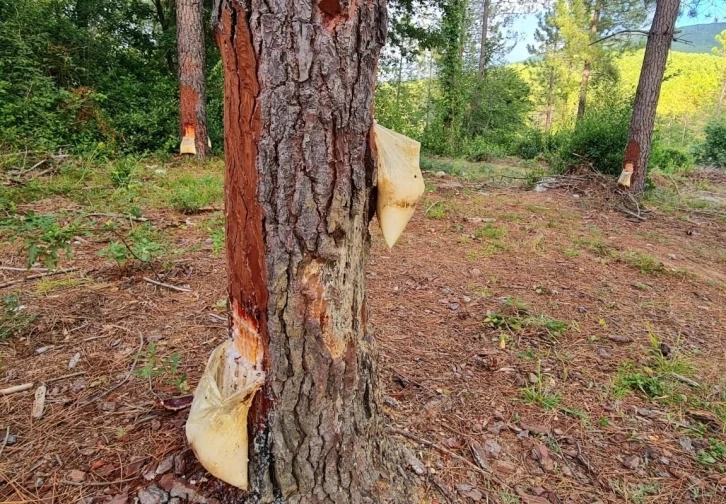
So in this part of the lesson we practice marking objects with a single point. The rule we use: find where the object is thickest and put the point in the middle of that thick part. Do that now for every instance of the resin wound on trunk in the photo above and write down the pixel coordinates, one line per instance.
(217, 424)
(187, 144)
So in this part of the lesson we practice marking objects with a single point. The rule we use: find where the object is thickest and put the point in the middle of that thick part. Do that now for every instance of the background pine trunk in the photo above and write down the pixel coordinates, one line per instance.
(190, 44)
(299, 82)
(640, 136)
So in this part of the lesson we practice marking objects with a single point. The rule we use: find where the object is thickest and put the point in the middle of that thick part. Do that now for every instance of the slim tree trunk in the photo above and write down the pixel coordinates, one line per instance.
(298, 82)
(642, 123)
(587, 66)
(550, 100)
(192, 101)
(484, 35)
(721, 98)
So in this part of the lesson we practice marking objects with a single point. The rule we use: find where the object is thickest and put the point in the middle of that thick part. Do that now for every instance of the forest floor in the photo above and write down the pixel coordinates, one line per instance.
(542, 347)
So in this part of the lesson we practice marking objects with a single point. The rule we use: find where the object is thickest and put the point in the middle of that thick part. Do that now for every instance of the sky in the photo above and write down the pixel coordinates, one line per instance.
(526, 26)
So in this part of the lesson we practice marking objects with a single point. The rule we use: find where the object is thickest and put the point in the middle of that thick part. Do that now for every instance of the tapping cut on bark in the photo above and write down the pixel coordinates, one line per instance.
(630, 162)
(192, 101)
(299, 82)
(642, 123)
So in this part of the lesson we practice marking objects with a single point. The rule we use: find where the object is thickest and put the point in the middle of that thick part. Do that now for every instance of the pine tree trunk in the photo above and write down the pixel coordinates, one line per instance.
(190, 46)
(550, 100)
(299, 79)
(484, 35)
(642, 123)
(587, 66)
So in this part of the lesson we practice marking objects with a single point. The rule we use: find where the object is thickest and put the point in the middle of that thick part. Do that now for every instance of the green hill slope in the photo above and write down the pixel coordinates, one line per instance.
(700, 35)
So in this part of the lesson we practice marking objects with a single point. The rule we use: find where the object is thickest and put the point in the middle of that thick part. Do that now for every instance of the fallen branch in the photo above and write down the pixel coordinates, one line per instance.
(166, 285)
(12, 268)
(687, 381)
(65, 377)
(39, 275)
(16, 388)
(119, 216)
(632, 214)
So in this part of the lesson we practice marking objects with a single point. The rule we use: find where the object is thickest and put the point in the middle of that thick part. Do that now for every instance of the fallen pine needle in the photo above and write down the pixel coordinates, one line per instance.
(430, 444)
(166, 285)
(97, 483)
(5, 441)
(72, 375)
(126, 378)
(16, 388)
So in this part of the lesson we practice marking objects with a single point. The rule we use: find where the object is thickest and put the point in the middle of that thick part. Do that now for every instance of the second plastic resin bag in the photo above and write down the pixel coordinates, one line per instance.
(400, 183)
(217, 424)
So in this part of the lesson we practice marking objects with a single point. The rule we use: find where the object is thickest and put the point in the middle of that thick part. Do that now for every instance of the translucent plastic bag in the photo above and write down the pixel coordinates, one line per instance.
(400, 183)
(217, 425)
(187, 144)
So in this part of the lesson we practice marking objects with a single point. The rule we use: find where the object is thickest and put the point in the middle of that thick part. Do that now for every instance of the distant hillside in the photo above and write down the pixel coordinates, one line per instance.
(702, 36)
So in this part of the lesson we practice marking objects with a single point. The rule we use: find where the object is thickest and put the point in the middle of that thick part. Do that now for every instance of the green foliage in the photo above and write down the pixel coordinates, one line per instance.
(153, 367)
(141, 244)
(14, 319)
(44, 237)
(90, 76)
(670, 159)
(599, 138)
(122, 172)
(713, 150)
(189, 194)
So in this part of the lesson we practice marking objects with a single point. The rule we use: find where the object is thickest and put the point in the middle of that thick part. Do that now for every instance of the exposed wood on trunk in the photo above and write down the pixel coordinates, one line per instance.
(587, 65)
(648, 93)
(299, 81)
(192, 101)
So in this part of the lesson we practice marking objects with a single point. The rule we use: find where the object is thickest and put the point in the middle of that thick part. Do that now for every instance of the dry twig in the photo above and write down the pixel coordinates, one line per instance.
(39, 275)
(166, 285)
(16, 388)
(472, 465)
(126, 378)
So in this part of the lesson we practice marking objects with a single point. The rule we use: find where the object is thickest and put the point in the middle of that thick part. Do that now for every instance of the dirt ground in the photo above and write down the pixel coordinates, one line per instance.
(535, 347)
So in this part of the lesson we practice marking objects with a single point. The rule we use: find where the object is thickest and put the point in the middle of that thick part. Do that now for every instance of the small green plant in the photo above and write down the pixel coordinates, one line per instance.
(643, 262)
(491, 232)
(154, 367)
(116, 251)
(629, 379)
(539, 393)
(122, 172)
(189, 195)
(436, 210)
(44, 237)
(15, 319)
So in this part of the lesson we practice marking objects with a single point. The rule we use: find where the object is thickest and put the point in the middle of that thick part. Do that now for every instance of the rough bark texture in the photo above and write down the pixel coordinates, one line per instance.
(190, 46)
(587, 66)
(484, 36)
(299, 82)
(648, 93)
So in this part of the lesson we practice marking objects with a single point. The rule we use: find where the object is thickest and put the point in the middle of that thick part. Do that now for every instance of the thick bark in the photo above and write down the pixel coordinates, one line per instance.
(190, 46)
(299, 80)
(642, 123)
(484, 36)
(587, 66)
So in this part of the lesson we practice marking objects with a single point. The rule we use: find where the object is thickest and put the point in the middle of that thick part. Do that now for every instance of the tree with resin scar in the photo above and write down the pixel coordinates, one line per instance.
(299, 79)
(192, 101)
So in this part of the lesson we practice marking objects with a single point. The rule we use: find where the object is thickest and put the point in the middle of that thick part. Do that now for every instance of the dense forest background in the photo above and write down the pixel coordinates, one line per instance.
(100, 77)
